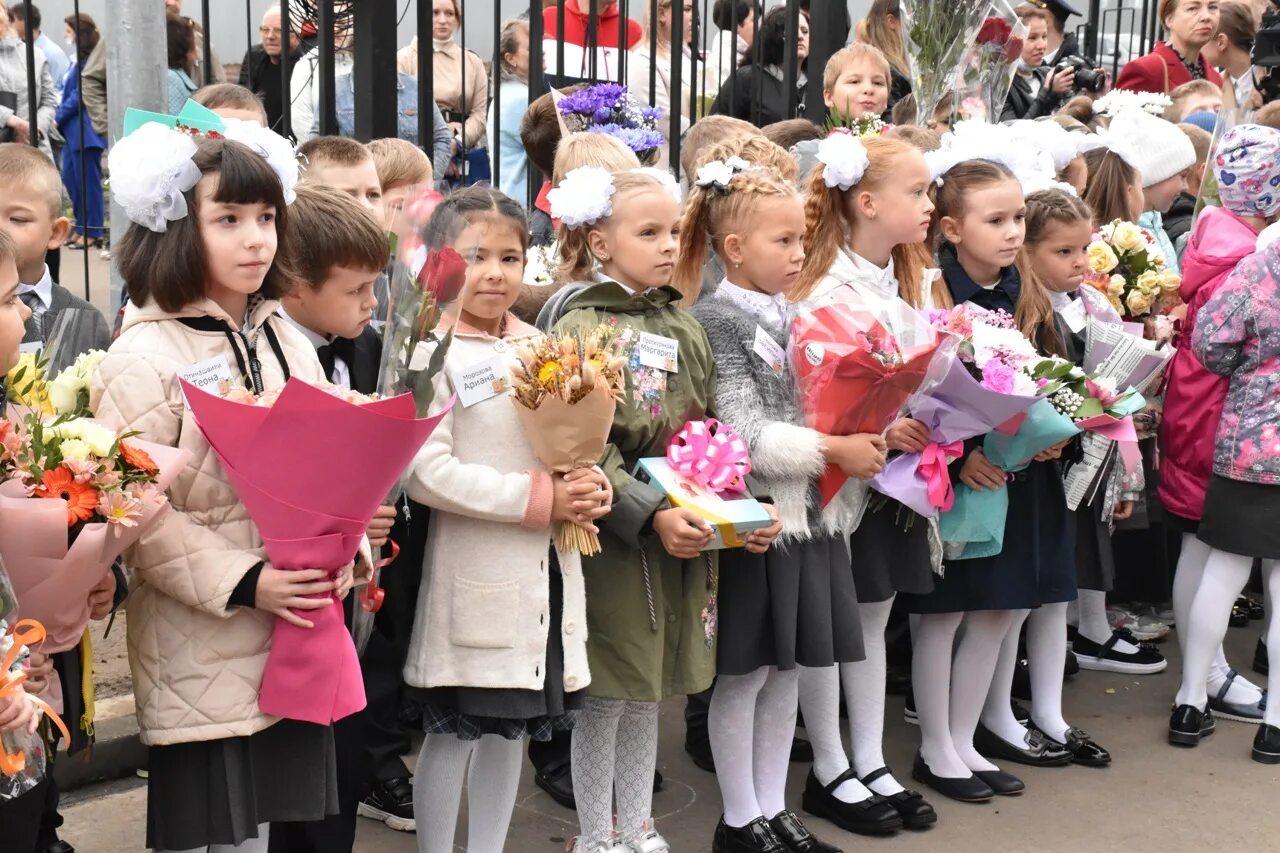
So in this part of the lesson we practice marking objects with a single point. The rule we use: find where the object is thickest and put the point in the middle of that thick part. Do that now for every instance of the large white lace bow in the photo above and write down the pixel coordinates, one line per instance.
(150, 169)
(844, 159)
(584, 197)
(270, 146)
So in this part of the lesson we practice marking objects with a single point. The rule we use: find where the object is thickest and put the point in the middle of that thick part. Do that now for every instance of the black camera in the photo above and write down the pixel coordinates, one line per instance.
(1266, 53)
(1089, 76)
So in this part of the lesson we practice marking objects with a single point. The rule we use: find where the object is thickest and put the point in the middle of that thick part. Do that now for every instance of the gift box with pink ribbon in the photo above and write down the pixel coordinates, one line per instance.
(705, 470)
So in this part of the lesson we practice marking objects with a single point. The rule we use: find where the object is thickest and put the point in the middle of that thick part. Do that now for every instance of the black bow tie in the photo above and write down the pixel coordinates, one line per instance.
(339, 349)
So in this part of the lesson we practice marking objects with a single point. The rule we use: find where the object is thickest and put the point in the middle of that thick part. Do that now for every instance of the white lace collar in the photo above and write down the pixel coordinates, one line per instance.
(762, 306)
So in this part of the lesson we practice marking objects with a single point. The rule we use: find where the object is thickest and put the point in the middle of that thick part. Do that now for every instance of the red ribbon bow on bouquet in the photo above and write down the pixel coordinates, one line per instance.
(933, 467)
(711, 454)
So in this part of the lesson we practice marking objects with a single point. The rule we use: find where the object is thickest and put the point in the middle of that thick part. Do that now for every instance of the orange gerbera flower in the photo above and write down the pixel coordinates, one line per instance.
(81, 498)
(136, 457)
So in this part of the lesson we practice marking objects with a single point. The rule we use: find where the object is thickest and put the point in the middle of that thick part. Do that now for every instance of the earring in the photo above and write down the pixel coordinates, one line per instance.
(604, 259)
(737, 265)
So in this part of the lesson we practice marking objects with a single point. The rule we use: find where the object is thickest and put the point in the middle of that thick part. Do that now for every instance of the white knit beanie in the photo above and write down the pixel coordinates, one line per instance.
(1155, 147)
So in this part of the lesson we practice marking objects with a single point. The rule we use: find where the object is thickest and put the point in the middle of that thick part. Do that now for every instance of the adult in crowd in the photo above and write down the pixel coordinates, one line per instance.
(762, 71)
(1037, 90)
(204, 76)
(882, 28)
(1189, 25)
(82, 152)
(260, 69)
(510, 162)
(574, 31)
(460, 88)
(304, 94)
(406, 117)
(57, 57)
(736, 21)
(16, 91)
(663, 94)
(1229, 50)
(1061, 43)
(182, 57)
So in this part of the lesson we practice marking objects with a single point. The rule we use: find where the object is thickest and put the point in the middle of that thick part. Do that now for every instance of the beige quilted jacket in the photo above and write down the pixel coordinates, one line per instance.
(196, 663)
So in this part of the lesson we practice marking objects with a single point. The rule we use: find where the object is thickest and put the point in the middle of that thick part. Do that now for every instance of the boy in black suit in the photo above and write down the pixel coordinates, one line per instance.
(31, 214)
(341, 252)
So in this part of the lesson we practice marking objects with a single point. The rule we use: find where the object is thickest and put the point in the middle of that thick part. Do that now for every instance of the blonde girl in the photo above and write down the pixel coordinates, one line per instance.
(866, 218)
(795, 604)
(651, 593)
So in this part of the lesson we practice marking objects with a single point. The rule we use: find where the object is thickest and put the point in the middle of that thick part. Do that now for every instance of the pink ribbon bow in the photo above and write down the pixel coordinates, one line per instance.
(711, 454)
(933, 467)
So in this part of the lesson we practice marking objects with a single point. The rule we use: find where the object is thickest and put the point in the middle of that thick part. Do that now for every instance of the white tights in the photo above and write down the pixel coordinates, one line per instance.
(490, 769)
(864, 697)
(820, 703)
(1046, 653)
(750, 724)
(614, 753)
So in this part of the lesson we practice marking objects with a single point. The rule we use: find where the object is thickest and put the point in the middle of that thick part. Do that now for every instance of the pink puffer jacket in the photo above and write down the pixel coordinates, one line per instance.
(1194, 396)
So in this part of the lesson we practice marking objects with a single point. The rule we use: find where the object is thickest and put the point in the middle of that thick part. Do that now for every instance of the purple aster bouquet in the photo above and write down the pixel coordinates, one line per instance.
(608, 108)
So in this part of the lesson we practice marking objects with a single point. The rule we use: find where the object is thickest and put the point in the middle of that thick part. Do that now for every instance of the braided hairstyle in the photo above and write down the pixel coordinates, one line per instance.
(711, 214)
(1048, 207)
(1034, 313)
(754, 149)
(829, 223)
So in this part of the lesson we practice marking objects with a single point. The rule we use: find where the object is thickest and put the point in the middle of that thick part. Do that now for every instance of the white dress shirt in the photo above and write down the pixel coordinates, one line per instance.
(341, 370)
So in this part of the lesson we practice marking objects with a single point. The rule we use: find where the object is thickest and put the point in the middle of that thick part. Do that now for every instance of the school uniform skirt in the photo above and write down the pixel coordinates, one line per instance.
(1095, 562)
(793, 605)
(890, 552)
(1036, 565)
(1241, 518)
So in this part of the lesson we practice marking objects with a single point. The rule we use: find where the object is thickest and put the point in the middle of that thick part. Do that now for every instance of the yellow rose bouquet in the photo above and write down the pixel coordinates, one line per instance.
(1126, 264)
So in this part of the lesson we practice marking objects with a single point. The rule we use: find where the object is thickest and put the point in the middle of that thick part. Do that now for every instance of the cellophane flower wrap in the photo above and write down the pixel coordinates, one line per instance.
(1128, 267)
(979, 392)
(609, 108)
(868, 126)
(565, 390)
(937, 35)
(311, 465)
(74, 495)
(987, 68)
(858, 362)
(23, 754)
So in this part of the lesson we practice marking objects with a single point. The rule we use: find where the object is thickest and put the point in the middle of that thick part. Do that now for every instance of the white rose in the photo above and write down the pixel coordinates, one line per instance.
(64, 393)
(87, 365)
(74, 448)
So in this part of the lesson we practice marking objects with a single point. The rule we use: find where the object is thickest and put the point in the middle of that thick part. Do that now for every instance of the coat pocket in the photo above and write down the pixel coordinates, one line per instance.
(484, 615)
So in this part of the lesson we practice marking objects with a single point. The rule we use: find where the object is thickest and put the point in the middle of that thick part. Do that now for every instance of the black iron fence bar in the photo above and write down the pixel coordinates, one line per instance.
(623, 40)
(560, 29)
(593, 39)
(791, 55)
(674, 101)
(758, 73)
(206, 46)
(326, 69)
(1091, 29)
(286, 76)
(33, 82)
(84, 178)
(536, 84)
(248, 28)
(653, 52)
(426, 83)
(496, 132)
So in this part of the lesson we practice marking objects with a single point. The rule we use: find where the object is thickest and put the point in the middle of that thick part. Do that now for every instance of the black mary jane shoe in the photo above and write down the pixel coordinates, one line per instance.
(911, 806)
(1266, 745)
(1082, 748)
(872, 816)
(1004, 784)
(970, 789)
(1039, 751)
(797, 837)
(755, 837)
(1189, 725)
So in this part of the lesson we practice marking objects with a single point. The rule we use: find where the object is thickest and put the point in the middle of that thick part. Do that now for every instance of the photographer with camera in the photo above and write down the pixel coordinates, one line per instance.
(1191, 25)
(1037, 90)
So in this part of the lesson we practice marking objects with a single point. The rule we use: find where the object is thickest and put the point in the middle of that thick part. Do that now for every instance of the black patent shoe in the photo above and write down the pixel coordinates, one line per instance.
(1260, 663)
(1004, 784)
(1082, 749)
(1266, 745)
(1039, 751)
(1189, 725)
(797, 837)
(911, 806)
(970, 789)
(872, 816)
(556, 779)
(755, 837)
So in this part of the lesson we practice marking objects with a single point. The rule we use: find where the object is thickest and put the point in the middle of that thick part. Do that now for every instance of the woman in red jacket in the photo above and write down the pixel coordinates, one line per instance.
(1191, 24)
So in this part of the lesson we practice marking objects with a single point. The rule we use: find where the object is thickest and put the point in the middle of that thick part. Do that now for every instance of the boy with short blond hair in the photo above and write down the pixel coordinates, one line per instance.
(404, 171)
(345, 165)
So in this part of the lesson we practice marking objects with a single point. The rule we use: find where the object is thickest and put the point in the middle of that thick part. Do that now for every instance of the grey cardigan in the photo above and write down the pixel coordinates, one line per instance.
(786, 456)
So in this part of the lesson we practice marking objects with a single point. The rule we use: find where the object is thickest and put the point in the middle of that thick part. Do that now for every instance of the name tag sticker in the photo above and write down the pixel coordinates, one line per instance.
(481, 381)
(1075, 317)
(769, 351)
(659, 352)
(212, 375)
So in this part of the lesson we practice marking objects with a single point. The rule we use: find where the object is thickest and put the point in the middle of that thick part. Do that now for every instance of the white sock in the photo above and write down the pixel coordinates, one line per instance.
(971, 673)
(820, 704)
(594, 754)
(774, 726)
(864, 697)
(932, 641)
(1046, 653)
(1186, 581)
(1224, 576)
(633, 772)
(731, 723)
(492, 781)
(997, 713)
(1271, 583)
(1094, 624)
(437, 790)
(249, 845)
